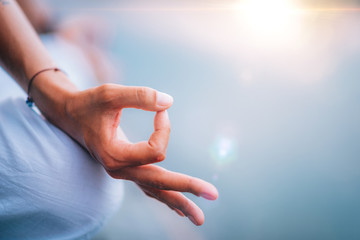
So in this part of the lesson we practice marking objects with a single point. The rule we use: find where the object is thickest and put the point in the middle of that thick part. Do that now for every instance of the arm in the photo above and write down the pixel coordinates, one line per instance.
(92, 117)
(22, 55)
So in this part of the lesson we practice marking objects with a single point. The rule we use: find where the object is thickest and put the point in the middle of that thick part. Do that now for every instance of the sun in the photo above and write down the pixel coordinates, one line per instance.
(269, 19)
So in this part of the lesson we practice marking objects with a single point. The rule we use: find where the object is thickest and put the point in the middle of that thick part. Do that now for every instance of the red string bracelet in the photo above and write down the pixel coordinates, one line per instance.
(29, 100)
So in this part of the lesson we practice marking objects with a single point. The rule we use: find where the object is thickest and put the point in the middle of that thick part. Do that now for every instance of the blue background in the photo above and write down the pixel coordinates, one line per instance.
(278, 136)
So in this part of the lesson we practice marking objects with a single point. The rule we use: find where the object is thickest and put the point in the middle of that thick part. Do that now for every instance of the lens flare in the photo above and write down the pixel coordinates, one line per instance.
(223, 150)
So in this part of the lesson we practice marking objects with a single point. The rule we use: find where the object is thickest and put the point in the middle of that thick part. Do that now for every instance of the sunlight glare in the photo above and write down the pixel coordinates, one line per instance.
(274, 20)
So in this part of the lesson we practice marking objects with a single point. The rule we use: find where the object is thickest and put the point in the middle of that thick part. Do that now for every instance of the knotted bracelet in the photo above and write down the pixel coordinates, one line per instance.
(29, 100)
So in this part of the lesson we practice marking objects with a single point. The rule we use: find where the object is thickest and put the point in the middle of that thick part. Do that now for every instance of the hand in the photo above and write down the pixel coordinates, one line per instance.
(96, 113)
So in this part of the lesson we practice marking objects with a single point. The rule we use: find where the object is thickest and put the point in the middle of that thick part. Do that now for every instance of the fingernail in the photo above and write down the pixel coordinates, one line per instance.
(207, 196)
(179, 213)
(192, 220)
(211, 193)
(163, 99)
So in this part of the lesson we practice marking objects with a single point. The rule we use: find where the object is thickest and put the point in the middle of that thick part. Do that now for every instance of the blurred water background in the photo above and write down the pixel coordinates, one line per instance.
(267, 108)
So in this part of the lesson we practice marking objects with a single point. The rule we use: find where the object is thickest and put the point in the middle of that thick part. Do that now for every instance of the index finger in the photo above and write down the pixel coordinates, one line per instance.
(125, 154)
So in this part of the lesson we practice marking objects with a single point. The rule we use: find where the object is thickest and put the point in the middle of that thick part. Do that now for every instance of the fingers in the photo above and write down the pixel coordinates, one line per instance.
(160, 137)
(137, 97)
(151, 195)
(177, 201)
(119, 152)
(160, 178)
(126, 154)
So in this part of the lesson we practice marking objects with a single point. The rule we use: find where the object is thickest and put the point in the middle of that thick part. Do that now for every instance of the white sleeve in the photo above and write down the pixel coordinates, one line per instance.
(50, 187)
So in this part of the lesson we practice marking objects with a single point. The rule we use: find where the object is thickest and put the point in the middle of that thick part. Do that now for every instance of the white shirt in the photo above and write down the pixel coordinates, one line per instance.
(50, 187)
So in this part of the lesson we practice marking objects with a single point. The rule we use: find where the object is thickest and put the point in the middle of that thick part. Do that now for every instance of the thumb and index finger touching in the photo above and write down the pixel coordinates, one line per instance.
(163, 184)
(153, 150)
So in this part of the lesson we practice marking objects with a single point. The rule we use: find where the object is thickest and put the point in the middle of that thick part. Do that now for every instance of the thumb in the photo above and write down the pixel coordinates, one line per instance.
(143, 98)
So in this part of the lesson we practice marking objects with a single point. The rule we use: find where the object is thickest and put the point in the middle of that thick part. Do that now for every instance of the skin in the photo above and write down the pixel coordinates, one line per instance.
(92, 117)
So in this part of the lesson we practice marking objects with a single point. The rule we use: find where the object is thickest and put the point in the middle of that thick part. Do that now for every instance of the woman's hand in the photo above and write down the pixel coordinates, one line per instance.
(96, 113)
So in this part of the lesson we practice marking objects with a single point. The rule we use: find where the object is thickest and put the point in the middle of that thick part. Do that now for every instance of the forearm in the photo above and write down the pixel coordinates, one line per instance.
(51, 91)
(22, 55)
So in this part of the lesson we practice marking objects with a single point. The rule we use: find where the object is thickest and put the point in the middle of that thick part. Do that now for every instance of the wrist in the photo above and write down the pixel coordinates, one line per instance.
(51, 91)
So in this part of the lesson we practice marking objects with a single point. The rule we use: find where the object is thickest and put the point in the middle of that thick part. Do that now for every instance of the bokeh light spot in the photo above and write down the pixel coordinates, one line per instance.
(223, 150)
